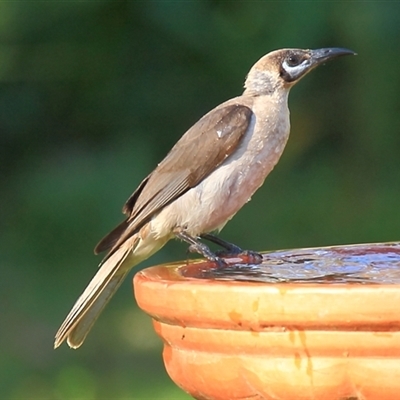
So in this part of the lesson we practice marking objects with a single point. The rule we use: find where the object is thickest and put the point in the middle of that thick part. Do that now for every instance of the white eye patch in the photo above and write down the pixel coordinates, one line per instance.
(296, 70)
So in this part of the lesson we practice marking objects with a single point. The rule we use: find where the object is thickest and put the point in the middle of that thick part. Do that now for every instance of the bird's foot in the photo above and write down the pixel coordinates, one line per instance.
(251, 257)
(208, 254)
(231, 250)
(200, 248)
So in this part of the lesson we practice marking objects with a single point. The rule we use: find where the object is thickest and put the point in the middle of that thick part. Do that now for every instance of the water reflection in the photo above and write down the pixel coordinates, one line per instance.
(370, 263)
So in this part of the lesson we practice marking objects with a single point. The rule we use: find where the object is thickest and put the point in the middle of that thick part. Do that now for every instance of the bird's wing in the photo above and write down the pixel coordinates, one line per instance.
(200, 150)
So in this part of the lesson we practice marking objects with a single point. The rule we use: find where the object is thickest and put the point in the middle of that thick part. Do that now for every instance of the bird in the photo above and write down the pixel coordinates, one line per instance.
(205, 179)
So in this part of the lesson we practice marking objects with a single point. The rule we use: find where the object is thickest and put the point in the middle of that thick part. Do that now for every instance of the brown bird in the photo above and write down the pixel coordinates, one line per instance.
(205, 179)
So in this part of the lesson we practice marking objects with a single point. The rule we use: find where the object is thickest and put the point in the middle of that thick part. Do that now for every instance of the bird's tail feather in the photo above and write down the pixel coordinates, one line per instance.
(88, 307)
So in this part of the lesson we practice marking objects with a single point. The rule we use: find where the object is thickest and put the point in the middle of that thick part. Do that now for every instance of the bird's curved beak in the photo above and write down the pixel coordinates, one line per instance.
(319, 56)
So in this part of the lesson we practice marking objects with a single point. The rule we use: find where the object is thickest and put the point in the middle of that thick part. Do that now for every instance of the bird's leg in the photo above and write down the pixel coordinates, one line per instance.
(198, 247)
(231, 249)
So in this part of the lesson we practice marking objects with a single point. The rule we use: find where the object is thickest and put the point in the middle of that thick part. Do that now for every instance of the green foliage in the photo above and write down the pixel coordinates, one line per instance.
(93, 95)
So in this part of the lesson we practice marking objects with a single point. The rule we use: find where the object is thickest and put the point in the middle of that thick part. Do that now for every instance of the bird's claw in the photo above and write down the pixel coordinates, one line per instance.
(252, 257)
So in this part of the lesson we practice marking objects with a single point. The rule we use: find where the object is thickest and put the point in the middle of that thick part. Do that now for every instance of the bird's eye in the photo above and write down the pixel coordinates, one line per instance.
(293, 60)
(294, 65)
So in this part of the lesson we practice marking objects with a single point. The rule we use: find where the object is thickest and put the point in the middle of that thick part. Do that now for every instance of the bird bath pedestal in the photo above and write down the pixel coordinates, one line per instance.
(320, 323)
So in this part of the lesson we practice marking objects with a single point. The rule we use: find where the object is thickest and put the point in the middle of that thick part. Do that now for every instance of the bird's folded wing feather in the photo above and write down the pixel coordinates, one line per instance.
(200, 150)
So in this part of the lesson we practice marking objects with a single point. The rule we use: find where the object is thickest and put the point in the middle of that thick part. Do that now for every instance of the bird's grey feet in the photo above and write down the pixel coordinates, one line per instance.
(252, 257)
(195, 246)
(231, 250)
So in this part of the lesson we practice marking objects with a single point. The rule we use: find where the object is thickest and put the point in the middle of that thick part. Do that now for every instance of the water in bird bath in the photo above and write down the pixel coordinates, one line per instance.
(354, 264)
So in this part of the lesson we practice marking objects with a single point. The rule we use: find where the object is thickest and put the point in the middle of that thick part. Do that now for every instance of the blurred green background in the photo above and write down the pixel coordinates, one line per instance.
(93, 94)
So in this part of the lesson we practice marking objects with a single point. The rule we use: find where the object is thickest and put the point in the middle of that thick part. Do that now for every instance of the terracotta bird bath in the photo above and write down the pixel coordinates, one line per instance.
(320, 323)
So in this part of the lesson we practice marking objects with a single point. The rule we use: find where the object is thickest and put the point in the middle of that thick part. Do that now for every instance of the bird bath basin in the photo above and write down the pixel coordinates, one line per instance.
(321, 323)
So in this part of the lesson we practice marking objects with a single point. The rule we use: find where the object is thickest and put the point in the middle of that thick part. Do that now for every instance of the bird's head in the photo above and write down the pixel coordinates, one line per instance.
(284, 68)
